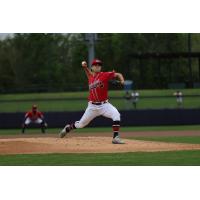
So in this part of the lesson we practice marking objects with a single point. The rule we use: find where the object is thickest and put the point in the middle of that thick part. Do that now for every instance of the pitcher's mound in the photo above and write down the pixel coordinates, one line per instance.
(85, 145)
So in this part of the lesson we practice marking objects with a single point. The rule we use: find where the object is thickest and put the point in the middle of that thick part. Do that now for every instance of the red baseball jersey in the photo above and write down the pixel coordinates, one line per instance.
(98, 86)
(34, 116)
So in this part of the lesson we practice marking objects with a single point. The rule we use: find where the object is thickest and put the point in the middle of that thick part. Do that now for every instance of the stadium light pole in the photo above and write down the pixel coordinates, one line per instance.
(91, 39)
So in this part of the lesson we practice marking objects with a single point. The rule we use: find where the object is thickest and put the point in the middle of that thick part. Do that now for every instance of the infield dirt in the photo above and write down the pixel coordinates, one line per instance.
(85, 143)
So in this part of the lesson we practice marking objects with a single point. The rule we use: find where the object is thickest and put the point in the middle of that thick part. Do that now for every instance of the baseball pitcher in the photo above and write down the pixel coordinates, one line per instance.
(98, 104)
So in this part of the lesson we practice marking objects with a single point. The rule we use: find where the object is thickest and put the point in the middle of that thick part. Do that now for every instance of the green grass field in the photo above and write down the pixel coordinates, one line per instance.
(107, 129)
(42, 100)
(173, 158)
(170, 158)
(116, 93)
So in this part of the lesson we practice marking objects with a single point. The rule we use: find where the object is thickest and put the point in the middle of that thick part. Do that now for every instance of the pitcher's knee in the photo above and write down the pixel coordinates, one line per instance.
(116, 116)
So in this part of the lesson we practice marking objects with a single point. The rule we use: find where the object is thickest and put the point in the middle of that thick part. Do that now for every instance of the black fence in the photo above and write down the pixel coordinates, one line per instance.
(148, 117)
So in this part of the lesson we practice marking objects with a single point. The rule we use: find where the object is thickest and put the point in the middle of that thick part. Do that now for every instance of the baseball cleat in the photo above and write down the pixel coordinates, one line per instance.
(117, 140)
(65, 130)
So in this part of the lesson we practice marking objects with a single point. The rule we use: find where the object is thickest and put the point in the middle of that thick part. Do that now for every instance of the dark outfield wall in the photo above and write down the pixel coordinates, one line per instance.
(129, 118)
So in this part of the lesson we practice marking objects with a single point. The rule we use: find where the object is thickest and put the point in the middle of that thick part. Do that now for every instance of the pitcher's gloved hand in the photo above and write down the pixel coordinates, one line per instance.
(117, 82)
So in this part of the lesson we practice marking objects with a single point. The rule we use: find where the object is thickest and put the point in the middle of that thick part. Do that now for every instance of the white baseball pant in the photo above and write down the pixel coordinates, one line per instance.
(92, 111)
(37, 121)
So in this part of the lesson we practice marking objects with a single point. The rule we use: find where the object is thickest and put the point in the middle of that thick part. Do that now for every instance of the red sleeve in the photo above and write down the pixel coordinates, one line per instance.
(40, 115)
(27, 114)
(110, 75)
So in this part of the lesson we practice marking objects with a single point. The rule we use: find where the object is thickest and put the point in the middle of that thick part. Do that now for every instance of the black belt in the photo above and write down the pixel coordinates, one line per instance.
(99, 103)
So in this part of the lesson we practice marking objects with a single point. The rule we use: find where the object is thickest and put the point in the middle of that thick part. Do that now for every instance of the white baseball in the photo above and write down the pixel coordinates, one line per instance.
(84, 63)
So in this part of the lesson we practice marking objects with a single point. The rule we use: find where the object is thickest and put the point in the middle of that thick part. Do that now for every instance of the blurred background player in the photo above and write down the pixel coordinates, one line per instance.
(127, 98)
(36, 117)
(135, 98)
(98, 104)
(179, 98)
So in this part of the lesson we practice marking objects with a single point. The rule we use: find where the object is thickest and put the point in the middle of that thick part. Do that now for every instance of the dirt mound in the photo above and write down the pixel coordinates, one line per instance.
(84, 145)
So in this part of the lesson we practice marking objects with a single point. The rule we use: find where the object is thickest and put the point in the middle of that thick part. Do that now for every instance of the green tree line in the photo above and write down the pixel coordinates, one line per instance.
(51, 62)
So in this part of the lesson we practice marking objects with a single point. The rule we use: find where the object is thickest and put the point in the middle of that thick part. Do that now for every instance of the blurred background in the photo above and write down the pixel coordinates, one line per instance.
(51, 62)
(162, 70)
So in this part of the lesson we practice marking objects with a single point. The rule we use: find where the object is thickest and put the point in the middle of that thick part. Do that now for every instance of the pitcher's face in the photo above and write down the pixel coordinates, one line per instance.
(96, 68)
